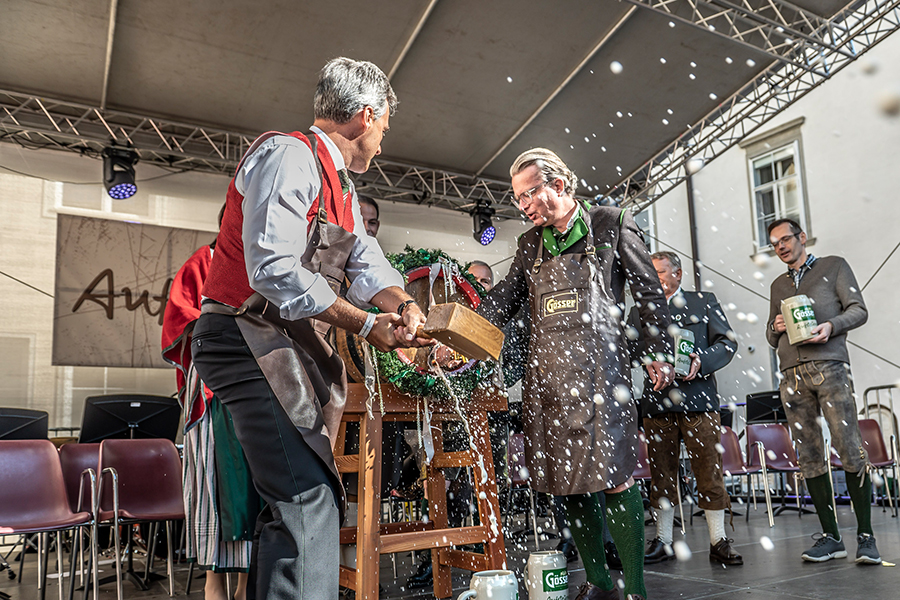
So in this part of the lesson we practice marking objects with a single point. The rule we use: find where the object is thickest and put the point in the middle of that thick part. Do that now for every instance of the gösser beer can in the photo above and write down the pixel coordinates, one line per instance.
(546, 576)
(684, 345)
(799, 318)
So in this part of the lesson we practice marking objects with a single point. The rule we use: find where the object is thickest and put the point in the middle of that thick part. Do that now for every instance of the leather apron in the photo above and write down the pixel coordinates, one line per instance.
(579, 437)
(305, 373)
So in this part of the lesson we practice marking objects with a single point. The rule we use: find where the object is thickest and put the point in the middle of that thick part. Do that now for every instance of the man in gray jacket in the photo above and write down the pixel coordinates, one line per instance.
(816, 380)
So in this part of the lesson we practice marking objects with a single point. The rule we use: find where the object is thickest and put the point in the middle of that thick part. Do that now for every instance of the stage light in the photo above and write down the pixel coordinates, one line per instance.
(118, 172)
(482, 228)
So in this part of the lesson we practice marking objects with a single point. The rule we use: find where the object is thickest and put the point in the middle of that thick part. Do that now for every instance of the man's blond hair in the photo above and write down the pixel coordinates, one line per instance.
(551, 166)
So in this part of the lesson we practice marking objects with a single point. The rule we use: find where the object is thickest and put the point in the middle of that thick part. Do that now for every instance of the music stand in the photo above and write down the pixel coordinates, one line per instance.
(23, 424)
(765, 407)
(133, 416)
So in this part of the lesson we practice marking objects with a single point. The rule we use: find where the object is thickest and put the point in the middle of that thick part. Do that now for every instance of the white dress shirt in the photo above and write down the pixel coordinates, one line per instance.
(279, 182)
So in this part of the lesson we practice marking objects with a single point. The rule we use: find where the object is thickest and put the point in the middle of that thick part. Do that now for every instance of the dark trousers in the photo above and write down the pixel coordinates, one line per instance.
(296, 545)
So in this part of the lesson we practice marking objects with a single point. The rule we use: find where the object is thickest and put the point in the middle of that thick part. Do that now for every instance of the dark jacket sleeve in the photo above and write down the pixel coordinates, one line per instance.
(722, 344)
(645, 287)
(506, 298)
(774, 310)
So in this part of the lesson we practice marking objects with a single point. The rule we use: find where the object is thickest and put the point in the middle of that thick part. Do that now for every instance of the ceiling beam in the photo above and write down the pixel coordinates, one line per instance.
(412, 38)
(593, 51)
(784, 32)
(110, 36)
(861, 26)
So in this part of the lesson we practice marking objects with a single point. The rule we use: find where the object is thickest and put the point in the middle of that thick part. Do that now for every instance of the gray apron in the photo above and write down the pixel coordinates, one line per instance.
(578, 437)
(305, 373)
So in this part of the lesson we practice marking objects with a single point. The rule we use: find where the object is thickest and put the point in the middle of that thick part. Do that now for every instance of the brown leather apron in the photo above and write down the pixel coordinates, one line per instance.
(579, 437)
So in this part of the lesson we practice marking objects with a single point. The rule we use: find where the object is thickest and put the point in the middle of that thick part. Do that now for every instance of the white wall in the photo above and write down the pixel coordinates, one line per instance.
(850, 152)
(29, 203)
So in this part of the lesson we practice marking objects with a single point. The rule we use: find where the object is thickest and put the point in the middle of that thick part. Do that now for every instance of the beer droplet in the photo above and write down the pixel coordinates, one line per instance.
(766, 543)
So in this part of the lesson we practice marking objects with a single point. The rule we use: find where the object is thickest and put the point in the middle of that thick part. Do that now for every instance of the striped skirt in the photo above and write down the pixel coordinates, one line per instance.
(209, 511)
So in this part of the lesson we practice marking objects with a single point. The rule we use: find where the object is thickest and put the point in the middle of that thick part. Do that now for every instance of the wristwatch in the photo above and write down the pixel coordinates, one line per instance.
(403, 306)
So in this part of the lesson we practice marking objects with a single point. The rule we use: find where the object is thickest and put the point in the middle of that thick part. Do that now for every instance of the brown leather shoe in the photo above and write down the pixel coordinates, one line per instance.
(724, 553)
(589, 591)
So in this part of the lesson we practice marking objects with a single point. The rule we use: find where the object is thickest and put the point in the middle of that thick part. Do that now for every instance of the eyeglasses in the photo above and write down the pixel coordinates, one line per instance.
(784, 240)
(527, 195)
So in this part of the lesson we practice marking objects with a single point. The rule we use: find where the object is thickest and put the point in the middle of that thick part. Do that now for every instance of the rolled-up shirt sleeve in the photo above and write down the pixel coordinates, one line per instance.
(279, 182)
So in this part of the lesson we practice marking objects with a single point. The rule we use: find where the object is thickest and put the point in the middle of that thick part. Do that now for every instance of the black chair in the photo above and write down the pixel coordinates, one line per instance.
(765, 407)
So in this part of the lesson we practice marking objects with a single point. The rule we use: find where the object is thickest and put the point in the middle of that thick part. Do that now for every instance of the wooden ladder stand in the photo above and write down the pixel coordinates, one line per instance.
(372, 538)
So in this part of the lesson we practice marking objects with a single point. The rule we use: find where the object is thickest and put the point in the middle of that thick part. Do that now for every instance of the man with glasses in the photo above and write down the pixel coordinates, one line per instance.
(816, 380)
(579, 418)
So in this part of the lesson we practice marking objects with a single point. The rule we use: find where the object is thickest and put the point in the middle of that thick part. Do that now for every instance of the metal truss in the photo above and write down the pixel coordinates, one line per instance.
(856, 29)
(783, 31)
(45, 123)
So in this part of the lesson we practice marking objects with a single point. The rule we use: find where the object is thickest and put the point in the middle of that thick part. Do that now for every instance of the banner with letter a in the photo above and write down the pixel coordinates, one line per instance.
(112, 285)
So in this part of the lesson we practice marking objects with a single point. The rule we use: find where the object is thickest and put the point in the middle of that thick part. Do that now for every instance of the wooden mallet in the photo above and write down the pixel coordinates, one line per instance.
(464, 331)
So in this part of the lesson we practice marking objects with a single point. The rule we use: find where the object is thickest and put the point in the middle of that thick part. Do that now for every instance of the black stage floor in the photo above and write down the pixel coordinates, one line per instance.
(776, 574)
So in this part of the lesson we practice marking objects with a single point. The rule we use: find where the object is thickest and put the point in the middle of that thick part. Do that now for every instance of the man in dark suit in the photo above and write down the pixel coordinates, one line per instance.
(689, 410)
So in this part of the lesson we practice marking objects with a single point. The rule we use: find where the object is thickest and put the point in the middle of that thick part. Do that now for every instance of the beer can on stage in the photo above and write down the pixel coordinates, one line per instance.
(684, 346)
(799, 318)
(546, 576)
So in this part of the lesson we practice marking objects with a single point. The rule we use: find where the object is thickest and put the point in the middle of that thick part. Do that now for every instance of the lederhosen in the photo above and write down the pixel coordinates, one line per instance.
(579, 438)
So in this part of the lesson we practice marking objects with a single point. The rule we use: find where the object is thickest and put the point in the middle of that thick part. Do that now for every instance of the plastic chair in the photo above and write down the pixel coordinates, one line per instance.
(775, 452)
(140, 481)
(518, 474)
(733, 464)
(33, 500)
(873, 442)
(76, 461)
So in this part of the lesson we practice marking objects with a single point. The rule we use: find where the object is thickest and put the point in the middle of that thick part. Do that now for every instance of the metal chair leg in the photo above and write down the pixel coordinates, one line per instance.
(170, 565)
(765, 473)
(537, 545)
(59, 563)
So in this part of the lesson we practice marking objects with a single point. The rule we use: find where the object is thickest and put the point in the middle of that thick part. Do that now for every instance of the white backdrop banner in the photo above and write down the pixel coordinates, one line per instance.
(112, 285)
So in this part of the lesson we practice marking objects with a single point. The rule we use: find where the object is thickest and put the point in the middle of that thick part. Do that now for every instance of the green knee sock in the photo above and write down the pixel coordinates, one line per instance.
(822, 495)
(860, 488)
(625, 516)
(586, 524)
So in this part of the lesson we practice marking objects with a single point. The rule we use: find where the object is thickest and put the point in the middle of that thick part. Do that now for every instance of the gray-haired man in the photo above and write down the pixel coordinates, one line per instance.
(292, 233)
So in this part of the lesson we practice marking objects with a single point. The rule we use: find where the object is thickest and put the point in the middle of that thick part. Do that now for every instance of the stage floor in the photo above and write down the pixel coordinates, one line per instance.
(777, 574)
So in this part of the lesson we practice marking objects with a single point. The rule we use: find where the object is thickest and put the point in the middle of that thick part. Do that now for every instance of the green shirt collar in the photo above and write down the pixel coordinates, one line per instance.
(557, 242)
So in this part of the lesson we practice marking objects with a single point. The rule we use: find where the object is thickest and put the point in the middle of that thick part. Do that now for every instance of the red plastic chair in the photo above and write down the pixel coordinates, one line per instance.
(733, 464)
(775, 452)
(140, 481)
(78, 461)
(642, 469)
(33, 498)
(873, 442)
(519, 480)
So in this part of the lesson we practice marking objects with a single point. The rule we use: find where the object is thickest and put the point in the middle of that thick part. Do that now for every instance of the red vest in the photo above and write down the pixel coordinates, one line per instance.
(227, 281)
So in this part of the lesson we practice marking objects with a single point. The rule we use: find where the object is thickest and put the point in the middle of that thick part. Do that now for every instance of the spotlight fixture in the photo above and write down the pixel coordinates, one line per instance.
(482, 228)
(118, 172)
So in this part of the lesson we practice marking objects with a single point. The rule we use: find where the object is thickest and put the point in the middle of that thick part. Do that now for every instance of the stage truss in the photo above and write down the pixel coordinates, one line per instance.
(805, 49)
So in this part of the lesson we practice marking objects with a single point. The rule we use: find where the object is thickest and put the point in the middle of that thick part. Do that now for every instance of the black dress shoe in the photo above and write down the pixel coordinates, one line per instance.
(423, 576)
(589, 591)
(567, 547)
(612, 556)
(724, 553)
(656, 552)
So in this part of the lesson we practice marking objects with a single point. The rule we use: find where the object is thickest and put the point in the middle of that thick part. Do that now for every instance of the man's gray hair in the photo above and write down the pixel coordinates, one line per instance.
(551, 166)
(347, 86)
(669, 256)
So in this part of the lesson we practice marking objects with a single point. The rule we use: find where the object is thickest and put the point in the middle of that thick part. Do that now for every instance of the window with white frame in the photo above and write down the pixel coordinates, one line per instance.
(776, 180)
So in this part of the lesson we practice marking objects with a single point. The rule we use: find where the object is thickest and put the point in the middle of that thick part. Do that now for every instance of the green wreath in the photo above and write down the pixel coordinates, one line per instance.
(405, 377)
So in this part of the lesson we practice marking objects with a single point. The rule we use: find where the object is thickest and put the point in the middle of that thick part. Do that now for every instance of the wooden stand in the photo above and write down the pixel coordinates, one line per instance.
(372, 538)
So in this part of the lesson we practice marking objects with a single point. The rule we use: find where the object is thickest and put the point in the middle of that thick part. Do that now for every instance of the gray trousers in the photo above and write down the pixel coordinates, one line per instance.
(296, 547)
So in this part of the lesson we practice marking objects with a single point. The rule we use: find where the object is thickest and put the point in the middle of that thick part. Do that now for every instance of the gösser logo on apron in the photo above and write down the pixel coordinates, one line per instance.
(559, 303)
